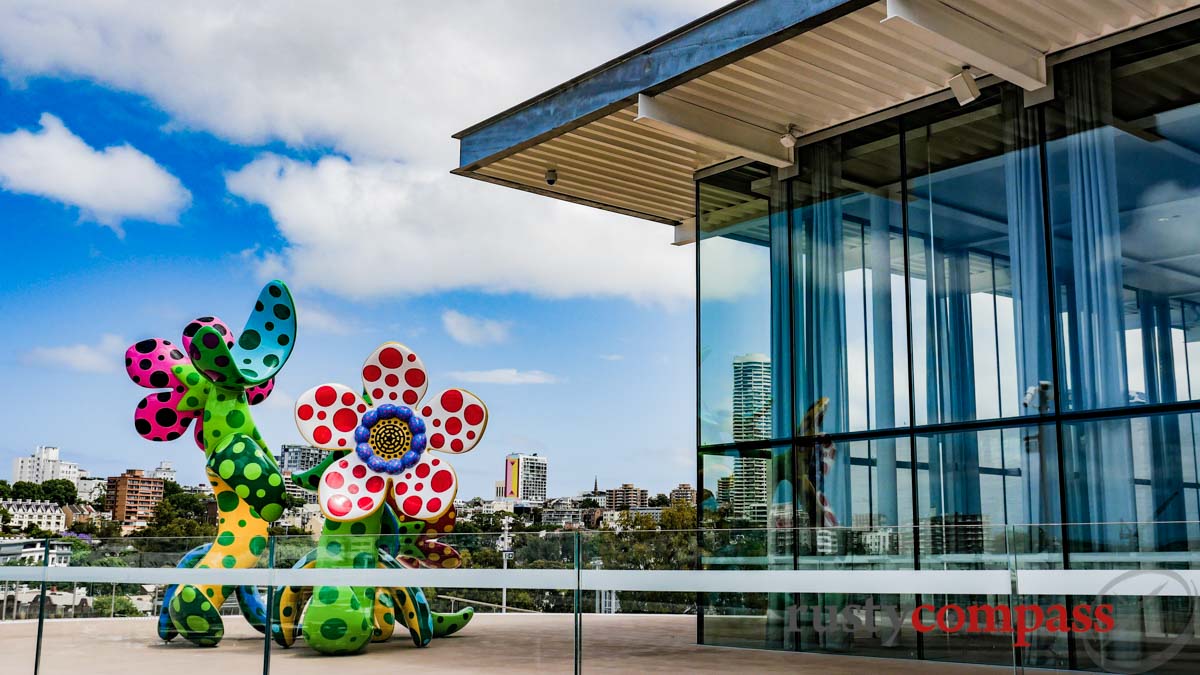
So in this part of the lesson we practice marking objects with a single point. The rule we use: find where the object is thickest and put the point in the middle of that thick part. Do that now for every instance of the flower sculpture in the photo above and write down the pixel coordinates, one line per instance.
(386, 490)
(212, 382)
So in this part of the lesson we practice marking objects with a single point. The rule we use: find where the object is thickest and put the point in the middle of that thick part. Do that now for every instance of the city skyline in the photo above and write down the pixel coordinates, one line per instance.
(163, 466)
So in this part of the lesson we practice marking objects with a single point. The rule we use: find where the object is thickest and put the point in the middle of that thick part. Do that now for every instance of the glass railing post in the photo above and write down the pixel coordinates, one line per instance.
(37, 657)
(578, 601)
(270, 604)
(1013, 599)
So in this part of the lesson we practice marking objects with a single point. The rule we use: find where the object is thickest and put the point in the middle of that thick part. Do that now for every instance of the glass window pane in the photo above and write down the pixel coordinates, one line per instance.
(979, 479)
(743, 309)
(980, 306)
(747, 516)
(851, 354)
(1131, 470)
(1124, 170)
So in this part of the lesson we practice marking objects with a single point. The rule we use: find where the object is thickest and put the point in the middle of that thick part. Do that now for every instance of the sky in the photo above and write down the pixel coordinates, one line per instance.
(161, 161)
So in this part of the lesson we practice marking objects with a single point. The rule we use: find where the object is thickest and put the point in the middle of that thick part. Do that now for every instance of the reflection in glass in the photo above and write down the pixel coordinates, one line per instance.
(977, 262)
(746, 511)
(743, 307)
(848, 267)
(995, 489)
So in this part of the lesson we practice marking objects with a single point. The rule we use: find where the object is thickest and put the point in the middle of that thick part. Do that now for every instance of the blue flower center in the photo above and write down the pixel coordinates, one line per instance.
(390, 438)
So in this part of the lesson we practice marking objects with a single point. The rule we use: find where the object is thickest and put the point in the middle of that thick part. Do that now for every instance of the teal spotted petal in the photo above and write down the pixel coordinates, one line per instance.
(261, 349)
(266, 342)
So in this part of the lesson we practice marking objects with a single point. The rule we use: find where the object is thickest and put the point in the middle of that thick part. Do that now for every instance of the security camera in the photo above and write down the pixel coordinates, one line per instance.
(551, 176)
(964, 86)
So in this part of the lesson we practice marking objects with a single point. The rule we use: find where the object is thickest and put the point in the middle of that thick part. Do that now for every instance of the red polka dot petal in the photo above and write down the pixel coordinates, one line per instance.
(326, 417)
(460, 418)
(426, 493)
(385, 374)
(350, 492)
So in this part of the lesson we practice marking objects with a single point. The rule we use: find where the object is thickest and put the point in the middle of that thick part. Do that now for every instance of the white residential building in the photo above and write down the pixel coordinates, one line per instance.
(683, 493)
(751, 397)
(299, 458)
(90, 488)
(43, 465)
(165, 471)
(497, 506)
(525, 477)
(44, 514)
(562, 516)
(749, 490)
(24, 551)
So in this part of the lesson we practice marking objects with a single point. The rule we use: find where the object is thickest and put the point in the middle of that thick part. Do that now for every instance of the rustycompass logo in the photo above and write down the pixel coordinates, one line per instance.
(864, 621)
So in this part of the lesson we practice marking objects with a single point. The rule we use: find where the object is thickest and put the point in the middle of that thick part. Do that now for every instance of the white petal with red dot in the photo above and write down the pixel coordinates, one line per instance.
(454, 421)
(426, 490)
(350, 490)
(328, 414)
(394, 374)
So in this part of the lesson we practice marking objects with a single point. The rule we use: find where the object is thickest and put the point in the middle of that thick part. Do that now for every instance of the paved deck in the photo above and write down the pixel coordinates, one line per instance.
(511, 643)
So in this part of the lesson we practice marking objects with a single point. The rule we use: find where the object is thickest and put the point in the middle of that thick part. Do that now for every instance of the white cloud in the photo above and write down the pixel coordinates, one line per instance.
(319, 319)
(473, 330)
(376, 229)
(504, 376)
(385, 84)
(106, 356)
(108, 186)
(372, 78)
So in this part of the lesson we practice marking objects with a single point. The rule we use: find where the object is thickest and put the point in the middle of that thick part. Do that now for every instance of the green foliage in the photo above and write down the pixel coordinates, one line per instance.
(60, 491)
(5, 490)
(554, 551)
(5, 517)
(629, 520)
(23, 489)
(180, 506)
(36, 532)
(660, 500)
(101, 529)
(170, 488)
(679, 516)
(589, 503)
(104, 606)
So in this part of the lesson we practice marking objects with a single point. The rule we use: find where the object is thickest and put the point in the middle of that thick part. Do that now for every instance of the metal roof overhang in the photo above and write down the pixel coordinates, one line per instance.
(729, 84)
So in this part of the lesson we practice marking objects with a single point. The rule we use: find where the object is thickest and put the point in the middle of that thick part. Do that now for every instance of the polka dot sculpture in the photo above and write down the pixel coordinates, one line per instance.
(210, 380)
(387, 492)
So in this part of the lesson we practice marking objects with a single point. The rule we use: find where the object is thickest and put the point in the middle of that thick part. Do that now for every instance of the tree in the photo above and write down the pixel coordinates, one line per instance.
(60, 491)
(679, 516)
(589, 503)
(636, 521)
(180, 505)
(104, 606)
(5, 490)
(5, 517)
(23, 489)
(102, 529)
(660, 500)
(170, 487)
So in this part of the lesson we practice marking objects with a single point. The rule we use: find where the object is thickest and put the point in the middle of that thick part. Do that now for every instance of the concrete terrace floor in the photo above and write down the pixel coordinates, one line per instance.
(513, 643)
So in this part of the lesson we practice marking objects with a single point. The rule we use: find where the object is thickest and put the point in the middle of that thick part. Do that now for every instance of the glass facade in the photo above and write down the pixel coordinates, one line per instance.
(962, 318)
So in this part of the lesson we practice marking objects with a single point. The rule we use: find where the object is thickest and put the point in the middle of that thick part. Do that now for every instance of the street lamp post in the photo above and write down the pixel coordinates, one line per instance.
(505, 554)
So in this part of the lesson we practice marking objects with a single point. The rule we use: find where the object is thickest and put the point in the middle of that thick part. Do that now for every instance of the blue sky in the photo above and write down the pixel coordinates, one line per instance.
(157, 165)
